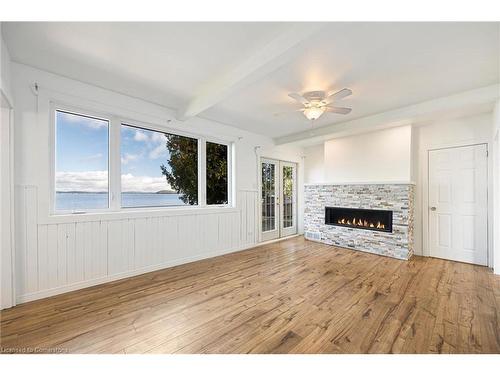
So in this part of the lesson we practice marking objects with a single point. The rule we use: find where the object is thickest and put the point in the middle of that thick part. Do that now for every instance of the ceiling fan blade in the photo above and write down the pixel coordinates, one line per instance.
(341, 110)
(338, 95)
(298, 98)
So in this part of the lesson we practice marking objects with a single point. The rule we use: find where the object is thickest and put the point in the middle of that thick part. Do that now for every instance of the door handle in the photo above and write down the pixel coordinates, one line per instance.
(432, 208)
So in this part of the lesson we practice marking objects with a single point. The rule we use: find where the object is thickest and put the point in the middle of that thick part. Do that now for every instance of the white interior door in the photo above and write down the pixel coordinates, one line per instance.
(458, 204)
(278, 199)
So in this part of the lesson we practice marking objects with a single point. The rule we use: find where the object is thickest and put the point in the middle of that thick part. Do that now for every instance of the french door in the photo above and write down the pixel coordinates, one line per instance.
(458, 204)
(278, 199)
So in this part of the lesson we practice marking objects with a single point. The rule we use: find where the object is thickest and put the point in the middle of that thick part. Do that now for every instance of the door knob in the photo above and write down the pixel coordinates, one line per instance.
(433, 208)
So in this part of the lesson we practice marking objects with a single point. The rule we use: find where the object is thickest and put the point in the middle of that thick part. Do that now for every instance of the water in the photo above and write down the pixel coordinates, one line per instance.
(91, 201)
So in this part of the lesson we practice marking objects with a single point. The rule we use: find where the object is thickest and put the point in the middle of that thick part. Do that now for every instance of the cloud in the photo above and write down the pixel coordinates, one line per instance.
(91, 181)
(89, 122)
(129, 157)
(91, 158)
(144, 183)
(149, 136)
(158, 152)
(158, 137)
(155, 142)
(140, 136)
(97, 181)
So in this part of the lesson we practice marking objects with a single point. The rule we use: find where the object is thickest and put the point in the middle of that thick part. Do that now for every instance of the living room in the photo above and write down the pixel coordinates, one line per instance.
(250, 187)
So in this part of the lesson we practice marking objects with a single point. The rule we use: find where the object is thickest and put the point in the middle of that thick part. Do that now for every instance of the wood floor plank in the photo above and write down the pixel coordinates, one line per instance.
(293, 296)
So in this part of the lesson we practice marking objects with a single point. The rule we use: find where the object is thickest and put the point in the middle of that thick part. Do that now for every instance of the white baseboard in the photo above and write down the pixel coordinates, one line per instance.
(277, 239)
(106, 279)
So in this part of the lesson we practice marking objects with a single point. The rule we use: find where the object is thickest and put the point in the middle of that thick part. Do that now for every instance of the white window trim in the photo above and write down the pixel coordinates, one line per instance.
(157, 129)
(230, 193)
(114, 163)
(202, 173)
(52, 187)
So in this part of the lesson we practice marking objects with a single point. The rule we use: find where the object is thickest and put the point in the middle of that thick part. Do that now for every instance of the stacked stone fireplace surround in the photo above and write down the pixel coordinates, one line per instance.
(398, 198)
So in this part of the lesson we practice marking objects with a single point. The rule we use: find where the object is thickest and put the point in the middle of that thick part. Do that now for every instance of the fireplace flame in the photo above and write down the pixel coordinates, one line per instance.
(361, 223)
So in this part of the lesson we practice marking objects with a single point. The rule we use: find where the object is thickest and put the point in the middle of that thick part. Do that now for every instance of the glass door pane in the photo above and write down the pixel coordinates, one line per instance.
(288, 205)
(288, 180)
(268, 196)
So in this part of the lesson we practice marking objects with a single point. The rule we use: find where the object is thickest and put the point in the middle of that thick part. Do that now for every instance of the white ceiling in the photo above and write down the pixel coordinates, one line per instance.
(387, 65)
(165, 62)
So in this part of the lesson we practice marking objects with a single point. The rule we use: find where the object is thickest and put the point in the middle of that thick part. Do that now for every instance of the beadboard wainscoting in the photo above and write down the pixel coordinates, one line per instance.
(55, 257)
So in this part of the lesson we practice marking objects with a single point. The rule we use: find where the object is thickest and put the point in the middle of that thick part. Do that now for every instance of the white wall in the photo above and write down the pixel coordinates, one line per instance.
(5, 69)
(496, 182)
(6, 243)
(60, 253)
(439, 134)
(314, 164)
(6, 207)
(495, 159)
(382, 156)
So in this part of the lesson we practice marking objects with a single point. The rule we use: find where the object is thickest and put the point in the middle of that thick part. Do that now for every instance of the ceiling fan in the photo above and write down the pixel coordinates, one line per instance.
(318, 102)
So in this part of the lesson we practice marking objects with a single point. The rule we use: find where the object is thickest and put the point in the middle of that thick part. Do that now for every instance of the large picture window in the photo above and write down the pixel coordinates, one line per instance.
(81, 167)
(158, 169)
(105, 163)
(217, 173)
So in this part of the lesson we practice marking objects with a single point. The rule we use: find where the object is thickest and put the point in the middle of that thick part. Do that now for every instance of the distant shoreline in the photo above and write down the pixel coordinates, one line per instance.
(84, 200)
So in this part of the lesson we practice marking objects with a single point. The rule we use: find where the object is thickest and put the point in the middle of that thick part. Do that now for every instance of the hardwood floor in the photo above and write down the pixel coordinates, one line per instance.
(293, 296)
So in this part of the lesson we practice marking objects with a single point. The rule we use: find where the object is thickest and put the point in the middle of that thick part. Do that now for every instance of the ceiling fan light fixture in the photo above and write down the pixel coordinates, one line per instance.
(313, 113)
(315, 103)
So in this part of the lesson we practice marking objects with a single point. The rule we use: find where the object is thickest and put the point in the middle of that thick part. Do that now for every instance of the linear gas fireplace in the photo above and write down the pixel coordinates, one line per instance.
(377, 220)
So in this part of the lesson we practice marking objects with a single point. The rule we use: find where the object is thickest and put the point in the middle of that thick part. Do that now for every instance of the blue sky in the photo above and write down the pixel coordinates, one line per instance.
(82, 143)
(82, 156)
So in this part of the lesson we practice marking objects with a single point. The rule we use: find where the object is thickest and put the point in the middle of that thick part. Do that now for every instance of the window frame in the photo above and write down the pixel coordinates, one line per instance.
(55, 107)
(163, 131)
(114, 161)
(229, 172)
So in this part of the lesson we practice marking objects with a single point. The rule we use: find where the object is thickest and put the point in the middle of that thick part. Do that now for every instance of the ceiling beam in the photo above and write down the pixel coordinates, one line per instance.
(461, 104)
(261, 62)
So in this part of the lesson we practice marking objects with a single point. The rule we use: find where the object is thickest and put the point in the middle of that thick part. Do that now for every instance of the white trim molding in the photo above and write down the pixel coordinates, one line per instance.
(7, 205)
(360, 183)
